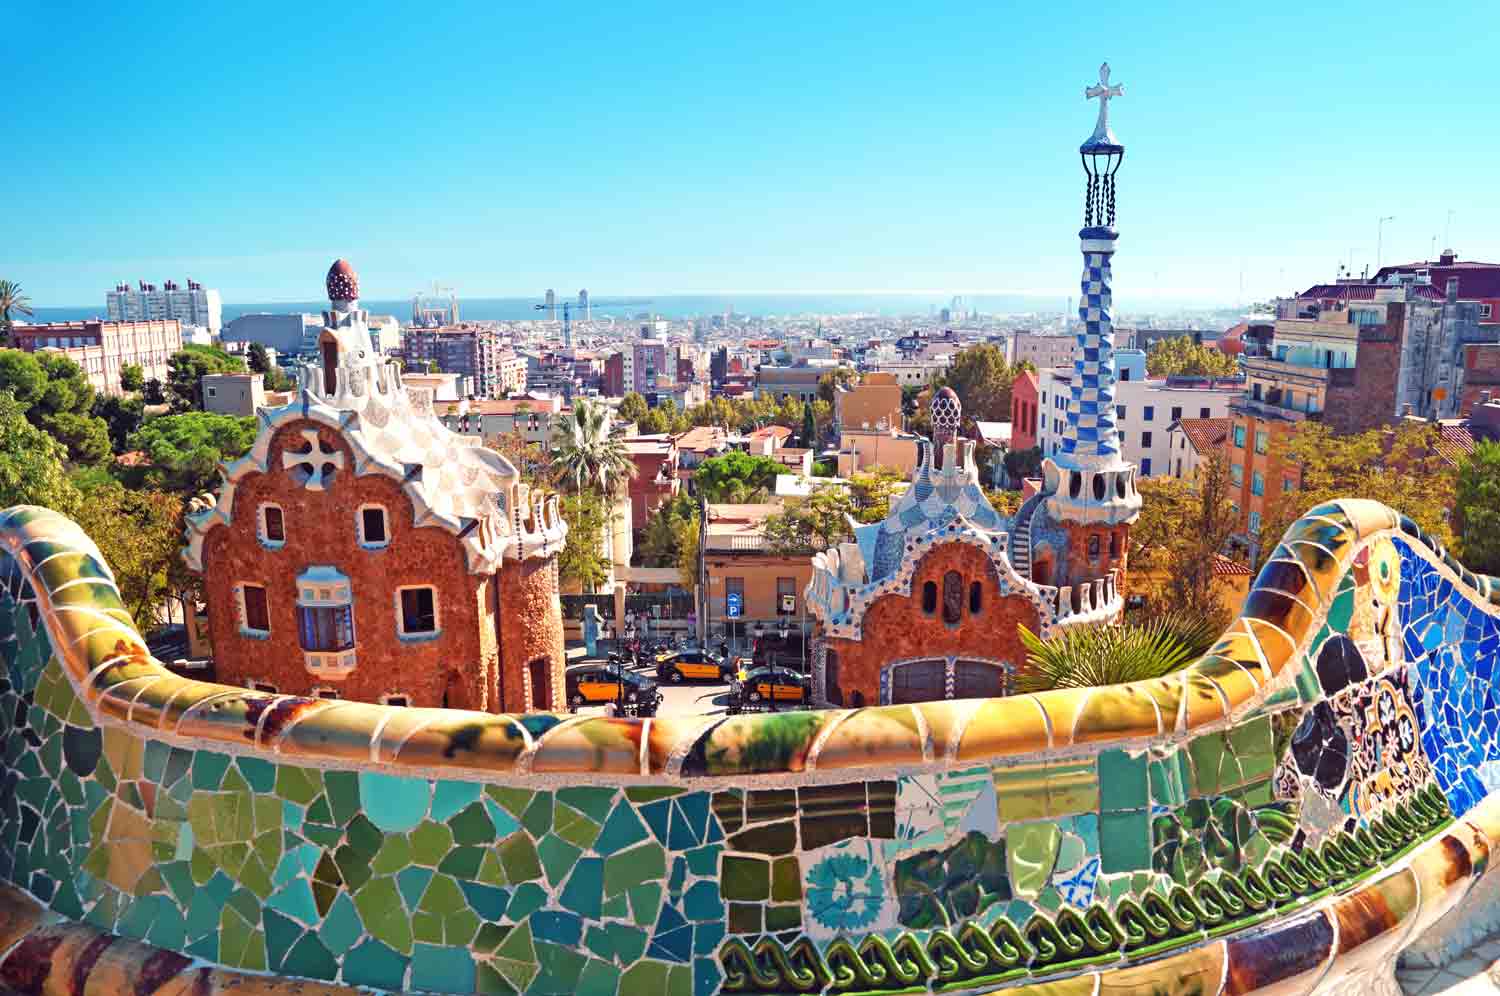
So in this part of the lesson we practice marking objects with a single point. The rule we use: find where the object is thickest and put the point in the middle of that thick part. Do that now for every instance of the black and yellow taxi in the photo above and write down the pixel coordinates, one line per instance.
(592, 683)
(693, 665)
(771, 684)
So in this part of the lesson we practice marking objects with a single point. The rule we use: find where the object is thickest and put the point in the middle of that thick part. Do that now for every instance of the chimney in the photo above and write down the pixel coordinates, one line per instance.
(1447, 258)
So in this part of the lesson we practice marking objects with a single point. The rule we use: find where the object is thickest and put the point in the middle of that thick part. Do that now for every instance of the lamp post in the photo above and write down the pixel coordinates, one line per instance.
(1380, 239)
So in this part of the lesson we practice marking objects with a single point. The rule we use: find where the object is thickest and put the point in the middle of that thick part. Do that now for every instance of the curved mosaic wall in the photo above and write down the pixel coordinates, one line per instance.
(1281, 814)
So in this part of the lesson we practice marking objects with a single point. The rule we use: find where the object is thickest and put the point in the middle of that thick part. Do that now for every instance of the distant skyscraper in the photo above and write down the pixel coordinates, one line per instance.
(583, 306)
(190, 305)
(551, 305)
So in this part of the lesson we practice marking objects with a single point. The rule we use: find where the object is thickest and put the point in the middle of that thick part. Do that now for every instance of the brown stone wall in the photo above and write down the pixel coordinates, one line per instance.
(531, 627)
(456, 666)
(896, 627)
(1365, 398)
(1080, 567)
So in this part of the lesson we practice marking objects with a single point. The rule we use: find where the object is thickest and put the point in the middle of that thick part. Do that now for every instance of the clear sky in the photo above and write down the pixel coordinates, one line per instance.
(740, 147)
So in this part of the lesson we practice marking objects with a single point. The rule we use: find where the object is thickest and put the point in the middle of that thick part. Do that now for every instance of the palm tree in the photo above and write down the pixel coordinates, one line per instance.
(12, 303)
(1090, 656)
(589, 455)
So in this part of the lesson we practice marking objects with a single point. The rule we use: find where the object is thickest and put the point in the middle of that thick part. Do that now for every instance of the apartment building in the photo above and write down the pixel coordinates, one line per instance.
(190, 305)
(474, 352)
(533, 420)
(101, 348)
(1045, 351)
(1025, 397)
(233, 393)
(780, 383)
(745, 588)
(1145, 409)
(872, 403)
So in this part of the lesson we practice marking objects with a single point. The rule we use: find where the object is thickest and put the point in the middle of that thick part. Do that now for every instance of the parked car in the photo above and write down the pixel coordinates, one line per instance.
(770, 685)
(593, 682)
(775, 650)
(693, 665)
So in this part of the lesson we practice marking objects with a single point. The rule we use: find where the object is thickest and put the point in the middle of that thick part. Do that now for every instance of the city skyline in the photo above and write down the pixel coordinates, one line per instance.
(847, 151)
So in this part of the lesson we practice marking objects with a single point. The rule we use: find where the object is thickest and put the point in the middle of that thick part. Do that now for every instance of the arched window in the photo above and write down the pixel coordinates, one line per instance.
(1114, 546)
(1094, 547)
(929, 597)
(330, 367)
(976, 598)
(953, 597)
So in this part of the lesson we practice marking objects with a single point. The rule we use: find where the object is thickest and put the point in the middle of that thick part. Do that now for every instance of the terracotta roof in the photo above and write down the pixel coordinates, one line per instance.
(703, 439)
(779, 431)
(1205, 434)
(1227, 567)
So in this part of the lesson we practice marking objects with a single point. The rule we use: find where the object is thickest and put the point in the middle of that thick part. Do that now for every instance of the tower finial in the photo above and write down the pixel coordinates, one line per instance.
(1102, 154)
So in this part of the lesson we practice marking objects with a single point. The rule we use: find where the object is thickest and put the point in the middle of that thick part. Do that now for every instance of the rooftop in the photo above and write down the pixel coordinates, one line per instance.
(1204, 434)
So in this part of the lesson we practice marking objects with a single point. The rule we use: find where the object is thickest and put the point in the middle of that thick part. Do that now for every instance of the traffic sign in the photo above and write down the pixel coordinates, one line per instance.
(733, 601)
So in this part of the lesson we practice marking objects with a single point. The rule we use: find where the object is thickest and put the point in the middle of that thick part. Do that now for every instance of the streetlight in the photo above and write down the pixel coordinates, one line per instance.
(1380, 239)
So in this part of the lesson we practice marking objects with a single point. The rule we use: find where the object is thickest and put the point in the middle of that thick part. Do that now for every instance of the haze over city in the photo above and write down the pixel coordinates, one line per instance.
(656, 149)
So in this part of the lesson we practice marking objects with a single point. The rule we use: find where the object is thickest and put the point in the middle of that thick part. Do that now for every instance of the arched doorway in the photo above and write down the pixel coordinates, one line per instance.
(330, 350)
(932, 679)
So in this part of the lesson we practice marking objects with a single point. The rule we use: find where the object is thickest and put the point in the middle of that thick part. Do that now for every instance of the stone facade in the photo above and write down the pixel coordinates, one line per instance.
(363, 551)
(898, 628)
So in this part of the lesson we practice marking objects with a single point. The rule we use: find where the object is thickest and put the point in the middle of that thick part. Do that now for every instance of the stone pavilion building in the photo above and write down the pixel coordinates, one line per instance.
(361, 550)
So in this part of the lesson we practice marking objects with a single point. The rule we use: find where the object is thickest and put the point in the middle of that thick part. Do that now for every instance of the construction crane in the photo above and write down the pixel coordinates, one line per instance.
(567, 310)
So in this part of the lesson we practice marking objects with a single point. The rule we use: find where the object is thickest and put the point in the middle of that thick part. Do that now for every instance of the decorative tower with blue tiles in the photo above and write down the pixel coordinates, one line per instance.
(1089, 482)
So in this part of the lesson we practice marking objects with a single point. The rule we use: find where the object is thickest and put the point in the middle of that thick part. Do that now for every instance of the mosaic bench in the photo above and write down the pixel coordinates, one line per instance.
(1307, 802)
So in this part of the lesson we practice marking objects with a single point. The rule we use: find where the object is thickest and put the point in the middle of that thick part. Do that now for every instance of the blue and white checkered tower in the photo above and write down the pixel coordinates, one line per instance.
(1088, 480)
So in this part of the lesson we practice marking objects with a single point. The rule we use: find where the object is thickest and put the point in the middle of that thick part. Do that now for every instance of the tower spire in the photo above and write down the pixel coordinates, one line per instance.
(1089, 481)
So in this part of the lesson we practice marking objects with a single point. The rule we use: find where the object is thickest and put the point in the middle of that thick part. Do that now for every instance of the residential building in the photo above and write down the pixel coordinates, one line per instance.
(1045, 351)
(1025, 395)
(101, 349)
(362, 551)
(1478, 283)
(190, 305)
(613, 383)
(700, 443)
(533, 419)
(649, 364)
(438, 386)
(474, 352)
(873, 402)
(914, 372)
(781, 383)
(656, 479)
(1144, 409)
(289, 334)
(861, 449)
(745, 588)
(233, 393)
(1190, 441)
(767, 440)
(385, 334)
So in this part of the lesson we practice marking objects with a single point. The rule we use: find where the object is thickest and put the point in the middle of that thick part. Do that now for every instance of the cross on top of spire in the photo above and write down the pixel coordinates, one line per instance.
(1104, 92)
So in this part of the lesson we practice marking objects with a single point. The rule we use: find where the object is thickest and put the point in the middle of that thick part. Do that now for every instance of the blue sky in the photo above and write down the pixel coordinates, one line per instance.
(644, 148)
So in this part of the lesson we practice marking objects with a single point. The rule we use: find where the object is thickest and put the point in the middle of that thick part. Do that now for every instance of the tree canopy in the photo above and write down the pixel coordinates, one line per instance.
(589, 454)
(1181, 356)
(185, 450)
(633, 407)
(189, 366)
(31, 463)
(13, 304)
(736, 477)
(1182, 527)
(982, 379)
(582, 560)
(132, 378)
(57, 398)
(1476, 508)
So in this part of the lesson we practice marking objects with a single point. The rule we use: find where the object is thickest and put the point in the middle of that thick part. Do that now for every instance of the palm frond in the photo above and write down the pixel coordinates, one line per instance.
(1092, 656)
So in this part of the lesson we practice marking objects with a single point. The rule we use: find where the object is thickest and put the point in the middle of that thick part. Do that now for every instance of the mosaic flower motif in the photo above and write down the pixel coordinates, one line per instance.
(844, 891)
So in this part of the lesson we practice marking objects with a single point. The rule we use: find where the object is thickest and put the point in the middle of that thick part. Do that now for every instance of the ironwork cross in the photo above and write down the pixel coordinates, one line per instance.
(1104, 92)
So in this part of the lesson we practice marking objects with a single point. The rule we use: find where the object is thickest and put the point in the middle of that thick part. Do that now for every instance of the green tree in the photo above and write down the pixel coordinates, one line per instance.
(653, 423)
(187, 368)
(185, 450)
(1183, 527)
(122, 415)
(581, 561)
(735, 477)
(829, 383)
(982, 380)
(132, 378)
(589, 455)
(687, 549)
(258, 358)
(1401, 466)
(31, 463)
(825, 468)
(809, 428)
(1021, 464)
(819, 522)
(276, 379)
(1183, 357)
(1476, 508)
(661, 538)
(154, 392)
(58, 399)
(140, 534)
(633, 407)
(13, 303)
(872, 491)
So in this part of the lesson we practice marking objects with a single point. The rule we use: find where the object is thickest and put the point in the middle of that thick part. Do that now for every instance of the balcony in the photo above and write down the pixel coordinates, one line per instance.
(332, 665)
